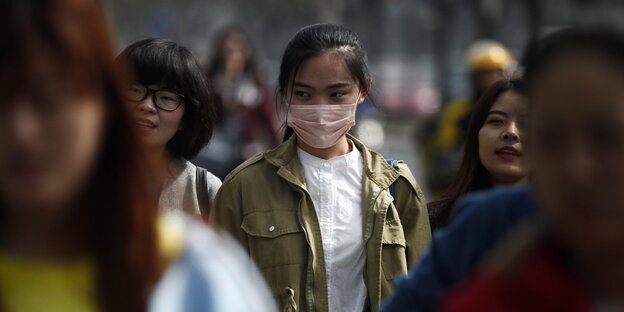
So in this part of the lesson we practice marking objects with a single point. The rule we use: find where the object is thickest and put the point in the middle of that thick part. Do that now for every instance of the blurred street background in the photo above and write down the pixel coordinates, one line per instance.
(416, 48)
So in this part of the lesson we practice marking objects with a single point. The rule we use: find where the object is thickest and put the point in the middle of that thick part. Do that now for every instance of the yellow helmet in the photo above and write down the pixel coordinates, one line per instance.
(488, 54)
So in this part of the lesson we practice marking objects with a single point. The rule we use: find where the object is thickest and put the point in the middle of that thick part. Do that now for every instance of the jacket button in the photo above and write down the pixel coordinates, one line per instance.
(271, 228)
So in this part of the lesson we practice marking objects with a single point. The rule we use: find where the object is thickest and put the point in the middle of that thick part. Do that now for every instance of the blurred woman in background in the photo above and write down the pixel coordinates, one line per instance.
(78, 230)
(493, 149)
(318, 213)
(246, 122)
(172, 116)
(571, 258)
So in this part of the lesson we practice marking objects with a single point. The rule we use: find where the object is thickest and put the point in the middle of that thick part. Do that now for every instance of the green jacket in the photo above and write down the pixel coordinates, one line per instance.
(265, 205)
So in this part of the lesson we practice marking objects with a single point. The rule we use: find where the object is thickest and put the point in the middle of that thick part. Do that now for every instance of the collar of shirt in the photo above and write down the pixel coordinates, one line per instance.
(345, 160)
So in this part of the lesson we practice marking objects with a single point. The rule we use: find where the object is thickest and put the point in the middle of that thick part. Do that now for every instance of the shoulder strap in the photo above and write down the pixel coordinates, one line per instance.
(394, 164)
(201, 188)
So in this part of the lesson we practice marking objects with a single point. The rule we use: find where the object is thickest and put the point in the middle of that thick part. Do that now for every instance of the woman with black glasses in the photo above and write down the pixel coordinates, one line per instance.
(173, 117)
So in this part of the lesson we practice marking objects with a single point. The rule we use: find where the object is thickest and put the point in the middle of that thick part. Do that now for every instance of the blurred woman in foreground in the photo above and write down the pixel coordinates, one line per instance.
(78, 232)
(572, 259)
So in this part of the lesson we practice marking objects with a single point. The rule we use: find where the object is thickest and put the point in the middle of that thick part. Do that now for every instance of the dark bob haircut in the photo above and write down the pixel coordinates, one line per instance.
(165, 63)
(314, 40)
(606, 42)
(471, 175)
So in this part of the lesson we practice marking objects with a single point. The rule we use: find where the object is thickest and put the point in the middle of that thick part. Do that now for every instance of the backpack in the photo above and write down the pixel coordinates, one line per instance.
(394, 164)
(201, 188)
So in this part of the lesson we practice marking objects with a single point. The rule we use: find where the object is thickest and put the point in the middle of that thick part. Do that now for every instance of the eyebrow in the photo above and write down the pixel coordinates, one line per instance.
(497, 112)
(303, 85)
(332, 86)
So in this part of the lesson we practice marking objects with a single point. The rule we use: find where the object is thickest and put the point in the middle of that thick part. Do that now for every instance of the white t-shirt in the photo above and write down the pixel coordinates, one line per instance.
(335, 186)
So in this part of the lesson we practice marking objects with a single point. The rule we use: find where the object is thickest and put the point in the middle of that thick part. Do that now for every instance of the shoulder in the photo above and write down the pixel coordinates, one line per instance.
(481, 219)
(438, 213)
(406, 173)
(212, 181)
(250, 166)
(496, 203)
(385, 171)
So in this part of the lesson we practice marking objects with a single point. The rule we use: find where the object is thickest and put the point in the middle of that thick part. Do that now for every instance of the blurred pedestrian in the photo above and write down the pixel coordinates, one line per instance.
(328, 221)
(493, 149)
(481, 219)
(488, 62)
(246, 122)
(571, 258)
(79, 232)
(172, 115)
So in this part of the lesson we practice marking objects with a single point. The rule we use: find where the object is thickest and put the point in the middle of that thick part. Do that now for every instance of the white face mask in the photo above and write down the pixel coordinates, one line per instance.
(321, 126)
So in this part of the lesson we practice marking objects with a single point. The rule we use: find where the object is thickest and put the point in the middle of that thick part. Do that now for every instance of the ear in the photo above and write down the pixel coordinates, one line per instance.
(365, 92)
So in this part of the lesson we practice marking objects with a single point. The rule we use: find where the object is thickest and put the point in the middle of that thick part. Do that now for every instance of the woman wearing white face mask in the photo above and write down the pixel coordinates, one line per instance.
(316, 213)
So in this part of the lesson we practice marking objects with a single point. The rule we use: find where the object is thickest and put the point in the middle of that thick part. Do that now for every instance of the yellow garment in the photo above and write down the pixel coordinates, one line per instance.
(42, 285)
(33, 285)
(170, 230)
(449, 128)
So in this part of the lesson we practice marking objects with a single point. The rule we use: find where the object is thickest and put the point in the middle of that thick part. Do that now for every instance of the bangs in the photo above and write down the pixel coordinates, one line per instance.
(158, 62)
(45, 54)
(48, 73)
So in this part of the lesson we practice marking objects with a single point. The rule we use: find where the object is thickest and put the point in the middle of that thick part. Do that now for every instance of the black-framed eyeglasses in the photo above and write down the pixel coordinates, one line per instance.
(165, 99)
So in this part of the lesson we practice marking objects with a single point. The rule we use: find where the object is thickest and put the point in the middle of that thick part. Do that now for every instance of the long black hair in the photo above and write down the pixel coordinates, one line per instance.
(164, 62)
(314, 40)
(472, 175)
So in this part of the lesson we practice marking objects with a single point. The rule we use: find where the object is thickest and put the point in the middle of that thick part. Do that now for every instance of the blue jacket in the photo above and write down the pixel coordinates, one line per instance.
(481, 219)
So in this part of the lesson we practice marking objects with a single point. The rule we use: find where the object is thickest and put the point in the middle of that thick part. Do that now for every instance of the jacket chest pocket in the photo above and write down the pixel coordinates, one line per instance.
(275, 238)
(393, 256)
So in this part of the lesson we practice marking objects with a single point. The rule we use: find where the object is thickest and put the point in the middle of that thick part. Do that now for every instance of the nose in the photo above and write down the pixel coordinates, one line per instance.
(511, 133)
(147, 105)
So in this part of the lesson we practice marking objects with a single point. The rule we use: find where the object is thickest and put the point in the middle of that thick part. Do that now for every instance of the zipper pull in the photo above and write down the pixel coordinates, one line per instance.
(289, 303)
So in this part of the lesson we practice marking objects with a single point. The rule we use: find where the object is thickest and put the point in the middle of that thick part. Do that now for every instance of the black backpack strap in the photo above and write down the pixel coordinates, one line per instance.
(201, 188)
(394, 164)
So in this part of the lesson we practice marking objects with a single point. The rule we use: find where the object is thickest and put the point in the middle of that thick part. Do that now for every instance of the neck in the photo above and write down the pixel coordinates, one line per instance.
(157, 161)
(47, 234)
(507, 181)
(342, 147)
(232, 71)
(604, 276)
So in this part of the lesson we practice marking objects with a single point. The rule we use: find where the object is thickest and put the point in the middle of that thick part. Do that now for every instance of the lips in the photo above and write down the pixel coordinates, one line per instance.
(145, 123)
(508, 152)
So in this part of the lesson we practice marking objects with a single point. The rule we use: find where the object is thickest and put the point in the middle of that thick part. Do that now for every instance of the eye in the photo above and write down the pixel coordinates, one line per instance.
(338, 94)
(134, 92)
(302, 94)
(495, 121)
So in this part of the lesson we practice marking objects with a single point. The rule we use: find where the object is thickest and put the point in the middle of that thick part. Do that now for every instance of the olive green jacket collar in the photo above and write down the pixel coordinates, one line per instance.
(375, 166)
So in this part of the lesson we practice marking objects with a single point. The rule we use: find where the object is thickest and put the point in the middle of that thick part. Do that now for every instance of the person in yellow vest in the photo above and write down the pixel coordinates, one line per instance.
(78, 229)
(488, 62)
